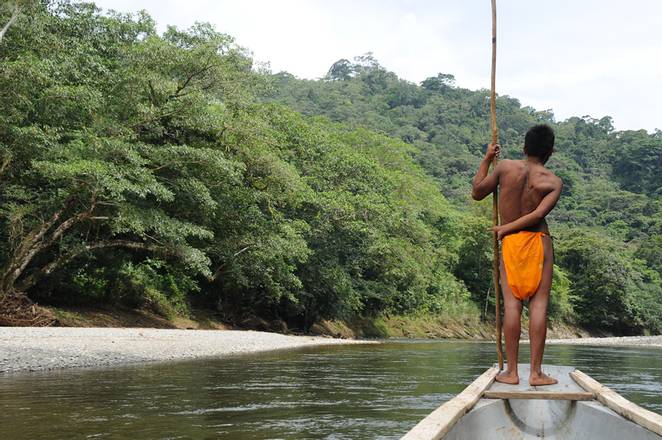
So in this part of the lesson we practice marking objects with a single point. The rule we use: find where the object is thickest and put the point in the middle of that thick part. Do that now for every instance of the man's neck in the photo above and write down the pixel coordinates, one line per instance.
(532, 160)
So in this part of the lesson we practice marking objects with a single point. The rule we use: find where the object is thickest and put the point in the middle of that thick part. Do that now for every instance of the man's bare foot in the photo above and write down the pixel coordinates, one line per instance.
(507, 377)
(539, 379)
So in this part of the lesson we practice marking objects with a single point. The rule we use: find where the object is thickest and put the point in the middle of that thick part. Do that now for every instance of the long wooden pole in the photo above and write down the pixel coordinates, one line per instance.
(495, 196)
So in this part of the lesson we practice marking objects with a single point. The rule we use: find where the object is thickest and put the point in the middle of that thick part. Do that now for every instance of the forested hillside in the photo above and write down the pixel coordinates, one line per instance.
(166, 171)
(608, 223)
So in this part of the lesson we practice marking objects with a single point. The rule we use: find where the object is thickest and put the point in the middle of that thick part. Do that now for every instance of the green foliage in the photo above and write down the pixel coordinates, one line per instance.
(159, 286)
(152, 284)
(114, 280)
(638, 161)
(562, 297)
(610, 182)
(650, 251)
(474, 266)
(611, 289)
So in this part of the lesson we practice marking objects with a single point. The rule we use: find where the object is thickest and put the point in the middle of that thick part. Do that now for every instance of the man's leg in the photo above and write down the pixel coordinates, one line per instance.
(538, 317)
(511, 329)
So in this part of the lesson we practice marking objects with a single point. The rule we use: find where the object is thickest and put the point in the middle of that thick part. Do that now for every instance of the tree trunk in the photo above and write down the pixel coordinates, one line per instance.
(12, 19)
(54, 265)
(37, 241)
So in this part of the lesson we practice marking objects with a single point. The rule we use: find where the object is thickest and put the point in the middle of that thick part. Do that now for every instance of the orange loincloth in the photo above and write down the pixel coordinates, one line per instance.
(523, 257)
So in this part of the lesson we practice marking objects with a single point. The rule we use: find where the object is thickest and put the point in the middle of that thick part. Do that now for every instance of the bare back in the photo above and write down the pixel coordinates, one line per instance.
(522, 186)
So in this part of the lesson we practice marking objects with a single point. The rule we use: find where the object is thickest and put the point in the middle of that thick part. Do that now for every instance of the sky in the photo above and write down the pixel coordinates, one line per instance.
(590, 57)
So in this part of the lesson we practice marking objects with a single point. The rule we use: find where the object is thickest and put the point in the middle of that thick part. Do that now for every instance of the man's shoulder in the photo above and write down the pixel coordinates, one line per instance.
(551, 177)
(509, 164)
(550, 174)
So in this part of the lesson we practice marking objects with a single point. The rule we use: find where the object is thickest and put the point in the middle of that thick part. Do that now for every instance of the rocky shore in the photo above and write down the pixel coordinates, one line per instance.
(622, 341)
(39, 348)
(49, 348)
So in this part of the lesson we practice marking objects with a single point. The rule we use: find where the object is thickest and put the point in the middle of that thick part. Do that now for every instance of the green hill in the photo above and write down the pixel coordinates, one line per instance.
(608, 222)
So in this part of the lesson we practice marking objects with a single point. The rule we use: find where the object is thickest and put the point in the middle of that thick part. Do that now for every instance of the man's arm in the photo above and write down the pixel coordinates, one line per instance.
(536, 216)
(484, 184)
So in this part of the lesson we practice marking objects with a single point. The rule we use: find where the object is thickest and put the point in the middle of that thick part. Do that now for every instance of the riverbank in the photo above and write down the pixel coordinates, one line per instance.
(462, 324)
(49, 348)
(623, 341)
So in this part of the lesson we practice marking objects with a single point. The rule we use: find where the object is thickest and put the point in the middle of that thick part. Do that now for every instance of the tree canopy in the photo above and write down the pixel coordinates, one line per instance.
(610, 210)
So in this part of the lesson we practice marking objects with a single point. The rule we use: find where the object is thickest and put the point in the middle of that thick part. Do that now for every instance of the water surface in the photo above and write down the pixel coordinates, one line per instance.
(335, 392)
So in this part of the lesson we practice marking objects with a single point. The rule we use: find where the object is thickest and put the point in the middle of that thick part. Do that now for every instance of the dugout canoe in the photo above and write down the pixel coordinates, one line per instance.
(577, 408)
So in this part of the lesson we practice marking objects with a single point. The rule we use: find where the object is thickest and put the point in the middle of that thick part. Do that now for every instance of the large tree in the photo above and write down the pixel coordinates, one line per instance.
(99, 153)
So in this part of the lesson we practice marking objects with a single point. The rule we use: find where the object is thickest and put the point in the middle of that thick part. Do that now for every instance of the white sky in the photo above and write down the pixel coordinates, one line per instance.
(588, 57)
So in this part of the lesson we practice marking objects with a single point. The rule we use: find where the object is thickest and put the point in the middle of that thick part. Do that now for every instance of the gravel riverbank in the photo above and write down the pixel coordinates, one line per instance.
(33, 349)
(623, 341)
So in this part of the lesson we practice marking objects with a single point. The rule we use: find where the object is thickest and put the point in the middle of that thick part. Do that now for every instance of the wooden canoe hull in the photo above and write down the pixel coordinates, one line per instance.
(488, 410)
(549, 419)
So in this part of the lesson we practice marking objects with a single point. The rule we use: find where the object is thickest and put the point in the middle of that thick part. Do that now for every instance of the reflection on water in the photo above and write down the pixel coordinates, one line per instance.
(336, 392)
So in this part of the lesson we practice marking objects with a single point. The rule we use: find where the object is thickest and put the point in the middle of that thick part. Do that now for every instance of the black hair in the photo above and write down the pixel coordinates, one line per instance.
(539, 141)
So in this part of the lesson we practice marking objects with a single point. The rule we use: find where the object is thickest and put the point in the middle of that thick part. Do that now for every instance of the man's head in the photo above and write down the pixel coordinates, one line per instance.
(539, 142)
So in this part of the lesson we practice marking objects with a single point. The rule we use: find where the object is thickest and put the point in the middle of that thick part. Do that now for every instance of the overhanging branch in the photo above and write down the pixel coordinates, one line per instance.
(63, 259)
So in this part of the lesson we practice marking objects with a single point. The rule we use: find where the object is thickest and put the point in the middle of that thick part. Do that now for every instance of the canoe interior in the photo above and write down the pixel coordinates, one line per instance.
(495, 419)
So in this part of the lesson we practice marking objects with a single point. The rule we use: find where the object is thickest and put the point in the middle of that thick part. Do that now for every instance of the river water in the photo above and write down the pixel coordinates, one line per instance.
(337, 392)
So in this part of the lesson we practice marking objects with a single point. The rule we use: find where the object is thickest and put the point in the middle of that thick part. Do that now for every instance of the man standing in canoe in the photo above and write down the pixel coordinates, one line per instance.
(527, 193)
